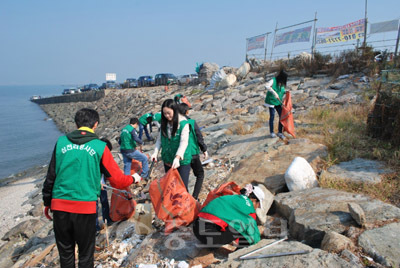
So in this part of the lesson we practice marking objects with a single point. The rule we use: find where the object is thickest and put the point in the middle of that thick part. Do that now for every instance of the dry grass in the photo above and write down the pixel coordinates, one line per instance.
(343, 131)
(242, 128)
(239, 128)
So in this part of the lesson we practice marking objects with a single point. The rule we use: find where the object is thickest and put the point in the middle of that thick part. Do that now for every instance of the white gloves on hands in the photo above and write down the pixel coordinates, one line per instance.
(136, 178)
(176, 163)
(154, 157)
(205, 155)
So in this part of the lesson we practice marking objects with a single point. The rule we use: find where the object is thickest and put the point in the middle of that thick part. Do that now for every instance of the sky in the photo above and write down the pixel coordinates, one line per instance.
(47, 42)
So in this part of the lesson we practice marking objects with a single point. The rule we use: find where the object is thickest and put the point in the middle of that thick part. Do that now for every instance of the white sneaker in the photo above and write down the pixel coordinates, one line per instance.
(280, 135)
(273, 135)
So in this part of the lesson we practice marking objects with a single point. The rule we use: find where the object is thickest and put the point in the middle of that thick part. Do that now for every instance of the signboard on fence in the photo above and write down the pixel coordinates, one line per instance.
(299, 35)
(385, 26)
(348, 32)
(256, 42)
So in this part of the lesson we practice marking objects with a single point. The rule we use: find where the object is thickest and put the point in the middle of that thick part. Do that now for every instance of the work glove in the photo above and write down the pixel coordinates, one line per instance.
(46, 212)
(205, 155)
(154, 157)
(176, 163)
(136, 178)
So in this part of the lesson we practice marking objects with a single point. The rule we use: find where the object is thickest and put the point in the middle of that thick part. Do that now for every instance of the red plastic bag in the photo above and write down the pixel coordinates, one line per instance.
(171, 201)
(136, 167)
(287, 115)
(122, 205)
(228, 188)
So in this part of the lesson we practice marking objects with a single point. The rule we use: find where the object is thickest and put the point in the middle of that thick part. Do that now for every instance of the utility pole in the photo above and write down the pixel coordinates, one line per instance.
(365, 25)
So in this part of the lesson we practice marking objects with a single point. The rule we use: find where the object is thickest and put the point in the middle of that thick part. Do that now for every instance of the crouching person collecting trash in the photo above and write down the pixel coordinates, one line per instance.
(230, 218)
(73, 184)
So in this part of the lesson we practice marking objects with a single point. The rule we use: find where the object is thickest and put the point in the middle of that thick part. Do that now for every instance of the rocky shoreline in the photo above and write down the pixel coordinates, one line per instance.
(324, 222)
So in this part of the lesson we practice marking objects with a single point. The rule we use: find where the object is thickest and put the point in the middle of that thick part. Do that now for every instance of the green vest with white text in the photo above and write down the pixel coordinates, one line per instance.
(78, 170)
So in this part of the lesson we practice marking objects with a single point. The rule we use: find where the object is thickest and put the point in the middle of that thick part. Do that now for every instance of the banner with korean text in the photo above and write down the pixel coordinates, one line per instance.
(299, 35)
(385, 26)
(256, 42)
(348, 32)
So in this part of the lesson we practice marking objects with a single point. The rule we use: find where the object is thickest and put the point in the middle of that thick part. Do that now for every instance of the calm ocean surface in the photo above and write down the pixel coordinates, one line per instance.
(27, 139)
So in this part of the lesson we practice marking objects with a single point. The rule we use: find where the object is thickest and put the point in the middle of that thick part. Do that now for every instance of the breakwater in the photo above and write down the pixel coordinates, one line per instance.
(88, 96)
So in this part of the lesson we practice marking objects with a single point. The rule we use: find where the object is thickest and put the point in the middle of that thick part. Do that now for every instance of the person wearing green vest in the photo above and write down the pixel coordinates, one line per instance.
(72, 187)
(175, 140)
(230, 218)
(274, 99)
(145, 120)
(196, 164)
(157, 119)
(128, 142)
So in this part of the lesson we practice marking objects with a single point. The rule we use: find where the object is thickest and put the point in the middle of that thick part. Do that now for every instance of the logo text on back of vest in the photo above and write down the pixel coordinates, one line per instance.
(85, 147)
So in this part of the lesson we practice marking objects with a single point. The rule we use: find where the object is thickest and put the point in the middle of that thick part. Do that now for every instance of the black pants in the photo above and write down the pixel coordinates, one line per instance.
(211, 235)
(184, 172)
(71, 229)
(198, 171)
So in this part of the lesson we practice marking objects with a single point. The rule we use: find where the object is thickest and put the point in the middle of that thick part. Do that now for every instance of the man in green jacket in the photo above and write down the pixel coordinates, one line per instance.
(230, 218)
(145, 120)
(72, 187)
(128, 144)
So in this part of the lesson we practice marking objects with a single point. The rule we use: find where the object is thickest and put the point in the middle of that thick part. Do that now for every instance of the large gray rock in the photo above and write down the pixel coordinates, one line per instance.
(315, 257)
(358, 170)
(383, 244)
(265, 159)
(25, 229)
(313, 212)
(334, 242)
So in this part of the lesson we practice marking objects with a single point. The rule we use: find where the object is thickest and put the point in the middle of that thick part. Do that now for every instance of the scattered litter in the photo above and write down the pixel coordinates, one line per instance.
(205, 162)
(344, 76)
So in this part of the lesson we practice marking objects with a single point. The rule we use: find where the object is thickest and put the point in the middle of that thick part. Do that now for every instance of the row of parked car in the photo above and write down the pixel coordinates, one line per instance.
(143, 81)
(159, 80)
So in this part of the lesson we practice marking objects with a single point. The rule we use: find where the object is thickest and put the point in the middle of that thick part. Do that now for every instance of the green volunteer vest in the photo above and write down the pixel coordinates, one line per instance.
(270, 98)
(143, 118)
(78, 170)
(170, 146)
(194, 146)
(157, 117)
(235, 210)
(127, 143)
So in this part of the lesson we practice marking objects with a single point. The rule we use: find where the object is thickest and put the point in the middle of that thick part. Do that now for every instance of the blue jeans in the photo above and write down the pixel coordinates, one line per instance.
(278, 108)
(137, 155)
(141, 128)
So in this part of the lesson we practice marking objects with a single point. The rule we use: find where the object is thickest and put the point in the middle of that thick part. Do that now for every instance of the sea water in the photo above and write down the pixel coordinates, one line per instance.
(27, 135)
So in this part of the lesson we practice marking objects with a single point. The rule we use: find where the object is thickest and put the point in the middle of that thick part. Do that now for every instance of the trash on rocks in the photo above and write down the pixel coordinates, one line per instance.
(344, 76)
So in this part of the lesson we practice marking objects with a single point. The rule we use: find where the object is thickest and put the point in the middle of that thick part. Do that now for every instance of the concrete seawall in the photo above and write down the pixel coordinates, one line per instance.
(93, 95)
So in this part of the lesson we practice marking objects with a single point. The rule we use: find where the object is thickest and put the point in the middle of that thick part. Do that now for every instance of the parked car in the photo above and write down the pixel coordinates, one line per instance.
(145, 81)
(187, 78)
(111, 85)
(131, 82)
(89, 87)
(69, 91)
(164, 79)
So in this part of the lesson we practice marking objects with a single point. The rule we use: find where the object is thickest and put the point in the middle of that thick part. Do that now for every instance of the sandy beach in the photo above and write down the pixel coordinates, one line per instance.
(12, 196)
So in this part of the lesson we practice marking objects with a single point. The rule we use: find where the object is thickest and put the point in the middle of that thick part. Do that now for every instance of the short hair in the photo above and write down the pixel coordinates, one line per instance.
(134, 120)
(86, 117)
(108, 142)
(183, 108)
